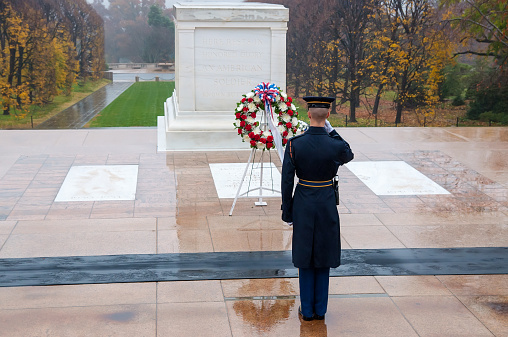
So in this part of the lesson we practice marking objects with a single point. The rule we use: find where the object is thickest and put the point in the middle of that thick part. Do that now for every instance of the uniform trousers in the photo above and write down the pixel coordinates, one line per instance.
(314, 290)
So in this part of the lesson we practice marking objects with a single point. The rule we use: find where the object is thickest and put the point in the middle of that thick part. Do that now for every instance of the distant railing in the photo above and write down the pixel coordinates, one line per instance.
(161, 66)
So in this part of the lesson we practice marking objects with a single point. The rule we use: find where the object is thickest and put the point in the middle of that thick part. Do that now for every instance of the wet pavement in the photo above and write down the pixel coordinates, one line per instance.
(177, 210)
(76, 116)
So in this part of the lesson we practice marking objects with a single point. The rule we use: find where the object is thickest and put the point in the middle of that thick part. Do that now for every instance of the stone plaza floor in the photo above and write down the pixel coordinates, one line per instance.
(176, 208)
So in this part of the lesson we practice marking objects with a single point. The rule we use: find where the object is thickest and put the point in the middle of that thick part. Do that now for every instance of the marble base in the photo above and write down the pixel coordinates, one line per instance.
(394, 178)
(97, 183)
(203, 132)
(227, 178)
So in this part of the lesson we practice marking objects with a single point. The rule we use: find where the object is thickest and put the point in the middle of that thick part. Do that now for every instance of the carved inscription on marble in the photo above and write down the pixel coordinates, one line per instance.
(229, 62)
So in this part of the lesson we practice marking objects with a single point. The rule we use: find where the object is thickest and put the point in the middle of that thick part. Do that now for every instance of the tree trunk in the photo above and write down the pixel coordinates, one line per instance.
(10, 77)
(20, 62)
(398, 117)
(333, 79)
(377, 99)
(401, 95)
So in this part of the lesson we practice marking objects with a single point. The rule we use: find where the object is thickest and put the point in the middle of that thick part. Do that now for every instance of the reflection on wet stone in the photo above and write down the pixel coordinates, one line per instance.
(263, 315)
(313, 329)
(79, 114)
(123, 316)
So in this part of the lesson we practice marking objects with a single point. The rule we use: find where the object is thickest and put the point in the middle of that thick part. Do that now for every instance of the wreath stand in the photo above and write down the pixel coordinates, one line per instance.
(260, 202)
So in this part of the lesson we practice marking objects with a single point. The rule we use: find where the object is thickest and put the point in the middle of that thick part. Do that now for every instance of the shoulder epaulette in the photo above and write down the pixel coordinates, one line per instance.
(298, 136)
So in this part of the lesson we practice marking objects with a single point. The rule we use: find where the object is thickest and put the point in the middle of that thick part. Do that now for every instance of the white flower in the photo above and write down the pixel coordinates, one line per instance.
(293, 107)
(286, 118)
(257, 131)
(252, 107)
(283, 106)
(290, 134)
(260, 146)
(294, 121)
(240, 107)
(246, 138)
(237, 124)
(281, 128)
(257, 99)
(250, 120)
(267, 134)
(283, 94)
(250, 95)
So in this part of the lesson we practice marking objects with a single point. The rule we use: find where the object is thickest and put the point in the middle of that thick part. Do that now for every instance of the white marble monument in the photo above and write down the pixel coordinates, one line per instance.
(223, 50)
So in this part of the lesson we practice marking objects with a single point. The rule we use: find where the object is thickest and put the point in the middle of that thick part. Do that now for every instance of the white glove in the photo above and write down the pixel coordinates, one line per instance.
(328, 126)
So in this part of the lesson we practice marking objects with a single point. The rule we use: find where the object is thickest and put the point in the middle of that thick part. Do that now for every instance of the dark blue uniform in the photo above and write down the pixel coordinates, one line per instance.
(315, 157)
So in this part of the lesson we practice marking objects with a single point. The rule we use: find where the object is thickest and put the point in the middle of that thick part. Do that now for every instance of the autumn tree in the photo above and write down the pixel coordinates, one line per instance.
(43, 43)
(348, 29)
(130, 36)
(483, 25)
(159, 44)
(420, 52)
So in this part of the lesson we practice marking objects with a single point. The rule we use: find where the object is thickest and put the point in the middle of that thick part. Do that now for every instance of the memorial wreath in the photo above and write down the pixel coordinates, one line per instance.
(250, 110)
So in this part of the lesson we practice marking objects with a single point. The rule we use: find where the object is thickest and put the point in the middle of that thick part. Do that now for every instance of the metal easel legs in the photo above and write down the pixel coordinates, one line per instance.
(260, 201)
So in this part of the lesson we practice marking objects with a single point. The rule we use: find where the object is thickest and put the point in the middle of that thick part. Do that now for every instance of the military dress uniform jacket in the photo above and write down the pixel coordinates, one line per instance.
(315, 157)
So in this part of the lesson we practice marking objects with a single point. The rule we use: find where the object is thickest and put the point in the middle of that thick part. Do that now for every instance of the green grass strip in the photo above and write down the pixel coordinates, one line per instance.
(137, 106)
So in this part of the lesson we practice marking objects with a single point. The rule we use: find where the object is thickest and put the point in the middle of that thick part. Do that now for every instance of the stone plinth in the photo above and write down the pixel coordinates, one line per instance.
(223, 50)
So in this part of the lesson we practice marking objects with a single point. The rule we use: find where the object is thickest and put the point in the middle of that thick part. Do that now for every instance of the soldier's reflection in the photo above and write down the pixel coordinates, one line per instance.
(264, 314)
(314, 329)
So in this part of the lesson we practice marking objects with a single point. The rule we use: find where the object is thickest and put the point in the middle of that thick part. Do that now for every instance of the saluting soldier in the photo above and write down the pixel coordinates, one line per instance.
(315, 157)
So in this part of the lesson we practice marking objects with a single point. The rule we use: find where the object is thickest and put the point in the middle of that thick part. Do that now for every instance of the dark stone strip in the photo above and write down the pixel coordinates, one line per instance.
(245, 265)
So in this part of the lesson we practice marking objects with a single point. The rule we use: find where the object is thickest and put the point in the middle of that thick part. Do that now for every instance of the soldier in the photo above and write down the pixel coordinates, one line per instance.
(315, 157)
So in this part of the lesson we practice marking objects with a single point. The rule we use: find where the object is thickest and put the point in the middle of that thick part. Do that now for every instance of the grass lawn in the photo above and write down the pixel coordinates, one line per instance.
(137, 106)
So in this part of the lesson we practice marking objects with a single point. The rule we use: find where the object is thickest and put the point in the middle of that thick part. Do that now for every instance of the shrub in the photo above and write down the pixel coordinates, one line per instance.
(458, 101)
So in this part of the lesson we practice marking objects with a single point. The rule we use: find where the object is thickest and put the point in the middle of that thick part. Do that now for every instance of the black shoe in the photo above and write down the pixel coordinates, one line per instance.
(318, 317)
(305, 318)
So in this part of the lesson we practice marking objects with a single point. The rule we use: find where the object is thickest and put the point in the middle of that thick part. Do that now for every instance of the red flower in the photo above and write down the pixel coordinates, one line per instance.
(250, 100)
(284, 141)
(288, 103)
(280, 123)
(285, 134)
(243, 116)
(294, 130)
(289, 125)
(269, 139)
(290, 100)
(253, 115)
(239, 131)
(248, 127)
(251, 134)
(238, 115)
(281, 98)
(242, 124)
(253, 142)
(263, 140)
(290, 112)
(245, 109)
(269, 145)
(257, 137)
(244, 100)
